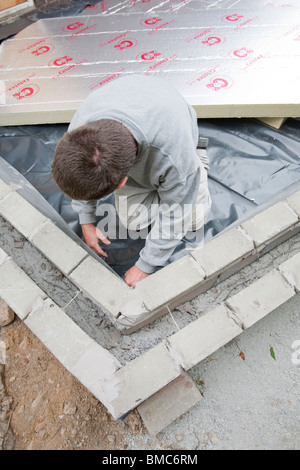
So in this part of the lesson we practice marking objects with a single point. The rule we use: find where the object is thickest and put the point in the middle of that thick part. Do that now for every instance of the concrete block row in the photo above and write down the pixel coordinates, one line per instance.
(219, 258)
(122, 389)
(211, 331)
(93, 365)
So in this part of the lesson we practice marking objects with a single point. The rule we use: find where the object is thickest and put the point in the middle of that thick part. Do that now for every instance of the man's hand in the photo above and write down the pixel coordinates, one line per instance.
(92, 235)
(134, 275)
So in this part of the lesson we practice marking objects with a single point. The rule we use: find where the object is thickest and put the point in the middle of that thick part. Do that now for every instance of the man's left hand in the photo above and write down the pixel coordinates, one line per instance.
(134, 275)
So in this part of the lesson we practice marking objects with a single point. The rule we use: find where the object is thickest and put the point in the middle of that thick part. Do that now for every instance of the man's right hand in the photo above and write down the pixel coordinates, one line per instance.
(92, 235)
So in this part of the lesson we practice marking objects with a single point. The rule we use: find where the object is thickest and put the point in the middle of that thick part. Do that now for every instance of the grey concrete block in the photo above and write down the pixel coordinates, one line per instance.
(270, 223)
(173, 281)
(95, 368)
(58, 332)
(17, 289)
(58, 247)
(260, 298)
(291, 271)
(141, 378)
(101, 285)
(5, 189)
(224, 251)
(21, 214)
(203, 337)
(294, 202)
(169, 404)
(3, 256)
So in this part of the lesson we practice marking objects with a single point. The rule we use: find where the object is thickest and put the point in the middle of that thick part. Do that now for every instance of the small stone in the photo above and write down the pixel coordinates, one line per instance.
(21, 409)
(18, 244)
(38, 401)
(7, 315)
(24, 344)
(69, 409)
(94, 401)
(40, 427)
(111, 438)
(186, 308)
(108, 345)
(115, 335)
(126, 346)
(4, 416)
(29, 270)
(30, 445)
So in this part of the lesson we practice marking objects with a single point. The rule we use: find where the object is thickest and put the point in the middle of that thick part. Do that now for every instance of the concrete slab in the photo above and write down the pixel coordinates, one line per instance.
(173, 401)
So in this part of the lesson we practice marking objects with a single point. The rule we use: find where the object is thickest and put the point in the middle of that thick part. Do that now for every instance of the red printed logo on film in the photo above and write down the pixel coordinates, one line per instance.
(233, 18)
(72, 27)
(212, 40)
(27, 91)
(241, 53)
(43, 49)
(219, 83)
(148, 56)
(125, 44)
(60, 61)
(151, 21)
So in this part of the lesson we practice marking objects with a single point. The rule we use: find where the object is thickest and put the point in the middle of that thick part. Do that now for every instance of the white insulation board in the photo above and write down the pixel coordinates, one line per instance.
(228, 58)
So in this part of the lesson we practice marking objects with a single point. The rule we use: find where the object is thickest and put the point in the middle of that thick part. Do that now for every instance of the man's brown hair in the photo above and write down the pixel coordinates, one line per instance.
(92, 160)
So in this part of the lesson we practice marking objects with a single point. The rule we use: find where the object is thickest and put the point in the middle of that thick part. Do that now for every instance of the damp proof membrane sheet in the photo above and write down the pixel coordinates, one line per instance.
(227, 58)
(251, 167)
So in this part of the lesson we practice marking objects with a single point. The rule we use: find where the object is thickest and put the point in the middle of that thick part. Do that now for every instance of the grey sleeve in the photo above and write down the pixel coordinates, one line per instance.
(171, 224)
(86, 211)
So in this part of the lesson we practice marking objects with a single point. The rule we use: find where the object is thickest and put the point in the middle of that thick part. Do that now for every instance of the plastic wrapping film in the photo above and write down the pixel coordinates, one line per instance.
(251, 165)
(228, 58)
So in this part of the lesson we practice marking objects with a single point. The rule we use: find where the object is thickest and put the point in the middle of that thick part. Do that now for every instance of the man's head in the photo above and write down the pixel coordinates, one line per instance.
(94, 159)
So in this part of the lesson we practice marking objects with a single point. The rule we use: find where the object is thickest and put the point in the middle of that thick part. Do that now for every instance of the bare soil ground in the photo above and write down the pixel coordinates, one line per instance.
(43, 407)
